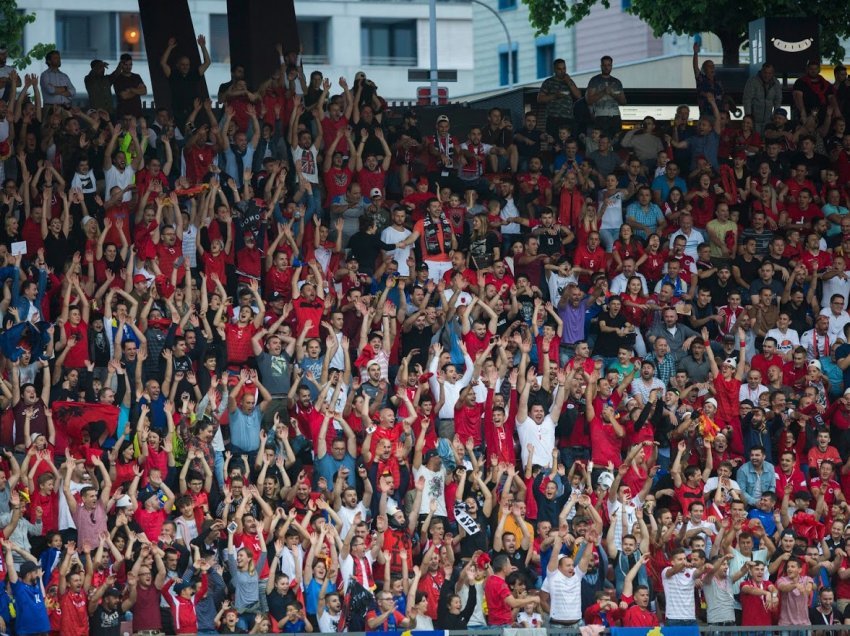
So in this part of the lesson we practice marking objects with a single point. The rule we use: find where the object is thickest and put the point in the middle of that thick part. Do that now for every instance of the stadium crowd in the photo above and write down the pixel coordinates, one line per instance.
(296, 365)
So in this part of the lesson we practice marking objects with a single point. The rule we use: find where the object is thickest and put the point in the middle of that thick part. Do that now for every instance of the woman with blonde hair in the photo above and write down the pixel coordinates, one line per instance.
(245, 577)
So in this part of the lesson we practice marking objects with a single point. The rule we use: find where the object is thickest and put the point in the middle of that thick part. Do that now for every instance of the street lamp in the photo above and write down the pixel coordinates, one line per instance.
(507, 35)
(432, 23)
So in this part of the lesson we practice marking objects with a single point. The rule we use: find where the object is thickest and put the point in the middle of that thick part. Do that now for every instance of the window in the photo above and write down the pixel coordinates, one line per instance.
(507, 5)
(105, 35)
(385, 43)
(314, 38)
(130, 35)
(504, 80)
(219, 39)
(87, 35)
(545, 55)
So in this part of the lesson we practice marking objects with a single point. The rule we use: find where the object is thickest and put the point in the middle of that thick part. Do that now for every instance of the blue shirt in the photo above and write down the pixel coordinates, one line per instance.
(245, 429)
(327, 467)
(30, 608)
(660, 183)
(707, 145)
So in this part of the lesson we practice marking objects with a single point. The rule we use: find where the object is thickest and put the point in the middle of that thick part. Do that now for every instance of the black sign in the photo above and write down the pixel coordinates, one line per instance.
(787, 43)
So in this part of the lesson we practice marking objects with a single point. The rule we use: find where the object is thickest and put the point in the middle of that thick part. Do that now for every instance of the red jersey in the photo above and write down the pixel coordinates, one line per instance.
(214, 265)
(369, 179)
(49, 505)
(280, 281)
(595, 260)
(311, 310)
(198, 161)
(337, 181)
(79, 352)
(183, 609)
(74, 619)
(754, 611)
(238, 339)
(475, 345)
(468, 422)
(496, 590)
(168, 256)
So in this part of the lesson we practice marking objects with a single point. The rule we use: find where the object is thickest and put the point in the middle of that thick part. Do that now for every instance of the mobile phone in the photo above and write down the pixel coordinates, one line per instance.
(231, 527)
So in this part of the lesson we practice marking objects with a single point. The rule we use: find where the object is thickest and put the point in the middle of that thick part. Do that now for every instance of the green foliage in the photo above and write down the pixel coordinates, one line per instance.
(12, 24)
(728, 19)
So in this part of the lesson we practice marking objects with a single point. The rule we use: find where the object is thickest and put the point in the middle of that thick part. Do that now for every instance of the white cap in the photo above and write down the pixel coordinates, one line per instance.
(375, 192)
(816, 364)
(711, 401)
(605, 480)
(124, 502)
(731, 362)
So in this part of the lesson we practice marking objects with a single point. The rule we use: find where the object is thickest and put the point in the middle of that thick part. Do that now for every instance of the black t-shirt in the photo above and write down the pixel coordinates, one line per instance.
(184, 90)
(133, 105)
(816, 617)
(814, 164)
(749, 270)
(277, 603)
(719, 294)
(608, 343)
(798, 316)
(103, 623)
(550, 244)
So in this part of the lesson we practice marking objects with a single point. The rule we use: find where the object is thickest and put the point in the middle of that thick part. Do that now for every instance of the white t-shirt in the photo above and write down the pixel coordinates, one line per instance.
(508, 212)
(121, 179)
(835, 285)
(347, 515)
(393, 237)
(612, 215)
(836, 323)
(679, 591)
(557, 285)
(309, 163)
(785, 342)
(541, 436)
(564, 593)
(435, 488)
(346, 568)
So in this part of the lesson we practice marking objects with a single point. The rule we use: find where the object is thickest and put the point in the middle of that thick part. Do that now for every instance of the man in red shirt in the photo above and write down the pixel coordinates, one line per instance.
(589, 258)
(308, 301)
(338, 174)
(477, 335)
(468, 413)
(73, 599)
(169, 248)
(500, 599)
(535, 184)
(727, 382)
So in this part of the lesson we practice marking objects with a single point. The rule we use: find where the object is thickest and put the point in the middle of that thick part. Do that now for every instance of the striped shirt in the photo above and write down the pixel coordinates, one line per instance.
(564, 594)
(679, 592)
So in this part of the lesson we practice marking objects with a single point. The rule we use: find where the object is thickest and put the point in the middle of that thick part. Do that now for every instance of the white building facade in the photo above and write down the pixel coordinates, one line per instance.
(381, 38)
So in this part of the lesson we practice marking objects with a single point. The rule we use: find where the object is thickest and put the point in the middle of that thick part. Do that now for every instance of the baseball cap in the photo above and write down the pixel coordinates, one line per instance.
(375, 192)
(93, 62)
(729, 337)
(711, 401)
(113, 591)
(350, 257)
(275, 295)
(730, 362)
(124, 502)
(606, 478)
(442, 118)
(816, 364)
(26, 568)
(422, 267)
(86, 220)
(139, 278)
(780, 111)
(429, 454)
(179, 587)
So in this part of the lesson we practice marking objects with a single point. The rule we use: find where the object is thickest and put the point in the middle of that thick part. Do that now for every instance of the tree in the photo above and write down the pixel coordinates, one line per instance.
(12, 24)
(727, 19)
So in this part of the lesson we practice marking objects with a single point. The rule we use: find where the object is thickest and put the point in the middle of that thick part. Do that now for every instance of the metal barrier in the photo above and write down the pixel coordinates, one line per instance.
(777, 630)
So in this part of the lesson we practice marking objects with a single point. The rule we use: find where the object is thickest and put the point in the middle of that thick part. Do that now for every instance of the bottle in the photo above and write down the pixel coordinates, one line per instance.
(698, 40)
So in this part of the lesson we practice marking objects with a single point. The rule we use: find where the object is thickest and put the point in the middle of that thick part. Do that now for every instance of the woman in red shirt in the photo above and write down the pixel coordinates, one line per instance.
(626, 246)
(655, 257)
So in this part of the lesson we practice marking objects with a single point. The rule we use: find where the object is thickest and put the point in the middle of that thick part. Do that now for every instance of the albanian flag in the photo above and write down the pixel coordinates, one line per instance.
(72, 418)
